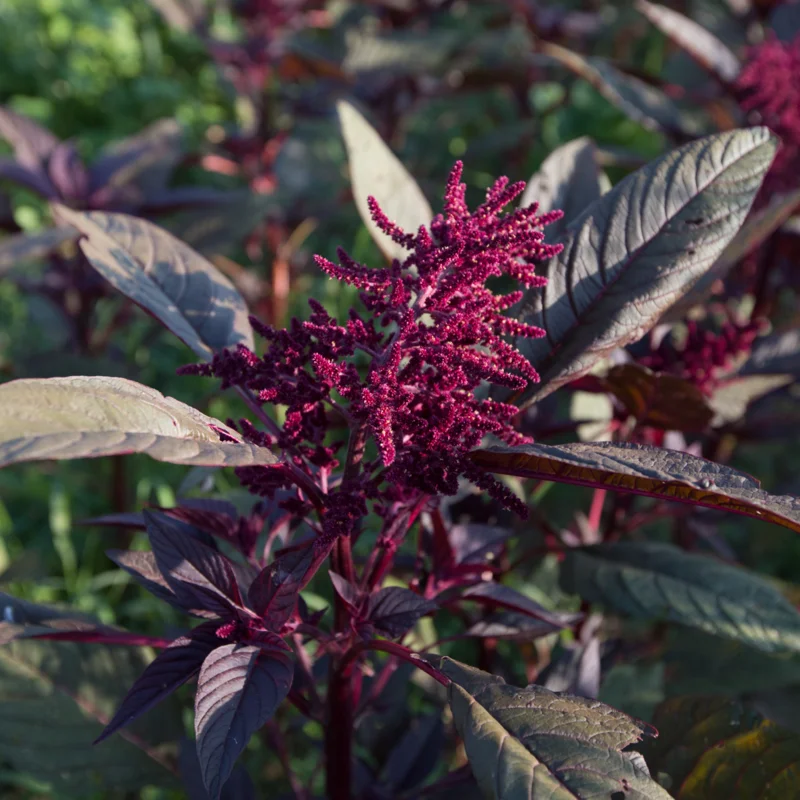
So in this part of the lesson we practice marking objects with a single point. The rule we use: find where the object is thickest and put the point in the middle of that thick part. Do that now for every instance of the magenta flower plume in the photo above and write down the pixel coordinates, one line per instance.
(768, 88)
(407, 371)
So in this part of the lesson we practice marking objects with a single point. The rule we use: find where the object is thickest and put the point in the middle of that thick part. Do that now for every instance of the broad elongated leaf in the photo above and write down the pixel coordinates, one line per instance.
(377, 172)
(196, 574)
(238, 787)
(166, 277)
(650, 580)
(498, 595)
(394, 610)
(170, 669)
(22, 247)
(512, 625)
(650, 471)
(643, 103)
(713, 748)
(756, 229)
(775, 355)
(55, 698)
(33, 144)
(702, 45)
(662, 400)
(569, 180)
(87, 417)
(238, 690)
(273, 594)
(530, 743)
(639, 248)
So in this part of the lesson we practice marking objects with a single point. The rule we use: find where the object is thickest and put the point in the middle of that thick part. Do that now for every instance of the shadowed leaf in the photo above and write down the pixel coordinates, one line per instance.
(394, 610)
(645, 470)
(661, 400)
(22, 247)
(238, 690)
(170, 669)
(527, 743)
(775, 355)
(498, 595)
(569, 180)
(377, 172)
(650, 580)
(55, 698)
(640, 101)
(87, 417)
(33, 145)
(196, 574)
(731, 400)
(639, 248)
(512, 625)
(699, 43)
(166, 277)
(238, 787)
(717, 749)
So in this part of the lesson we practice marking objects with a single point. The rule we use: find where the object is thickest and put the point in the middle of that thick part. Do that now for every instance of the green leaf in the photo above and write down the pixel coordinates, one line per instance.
(699, 43)
(637, 249)
(645, 470)
(650, 580)
(376, 171)
(569, 180)
(530, 743)
(86, 417)
(166, 277)
(716, 749)
(56, 697)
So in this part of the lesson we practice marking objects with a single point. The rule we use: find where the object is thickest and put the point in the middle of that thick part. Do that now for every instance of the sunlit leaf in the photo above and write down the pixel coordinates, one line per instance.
(639, 248)
(527, 743)
(376, 171)
(645, 470)
(86, 417)
(166, 277)
(775, 355)
(651, 580)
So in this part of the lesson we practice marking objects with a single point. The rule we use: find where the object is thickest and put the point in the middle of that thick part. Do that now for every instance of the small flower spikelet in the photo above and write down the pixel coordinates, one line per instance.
(706, 356)
(408, 368)
(768, 88)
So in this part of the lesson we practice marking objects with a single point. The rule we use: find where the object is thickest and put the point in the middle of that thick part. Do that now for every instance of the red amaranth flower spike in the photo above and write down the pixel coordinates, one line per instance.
(409, 370)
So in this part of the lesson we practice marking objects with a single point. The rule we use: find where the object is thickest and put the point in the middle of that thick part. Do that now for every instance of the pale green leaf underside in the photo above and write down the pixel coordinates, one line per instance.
(638, 249)
(527, 744)
(166, 277)
(85, 417)
(376, 171)
(650, 580)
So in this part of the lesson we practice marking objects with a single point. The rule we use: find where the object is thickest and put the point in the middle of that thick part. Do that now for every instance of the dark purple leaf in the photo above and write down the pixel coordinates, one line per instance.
(473, 544)
(146, 159)
(23, 247)
(20, 614)
(774, 355)
(238, 787)
(29, 177)
(415, 755)
(273, 594)
(496, 594)
(194, 571)
(349, 592)
(394, 610)
(32, 143)
(125, 519)
(513, 626)
(68, 174)
(650, 471)
(238, 690)
(142, 566)
(170, 669)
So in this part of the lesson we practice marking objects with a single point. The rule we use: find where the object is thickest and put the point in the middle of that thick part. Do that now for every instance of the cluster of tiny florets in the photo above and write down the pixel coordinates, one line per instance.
(408, 369)
(705, 356)
(768, 88)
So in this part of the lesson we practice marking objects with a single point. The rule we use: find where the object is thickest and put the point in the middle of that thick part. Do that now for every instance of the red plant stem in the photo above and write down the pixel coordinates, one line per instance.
(341, 711)
(596, 509)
